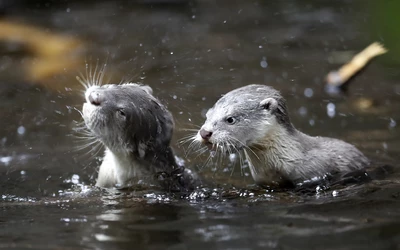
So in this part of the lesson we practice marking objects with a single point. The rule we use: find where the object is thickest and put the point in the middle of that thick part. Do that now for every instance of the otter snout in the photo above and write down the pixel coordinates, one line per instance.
(205, 134)
(95, 96)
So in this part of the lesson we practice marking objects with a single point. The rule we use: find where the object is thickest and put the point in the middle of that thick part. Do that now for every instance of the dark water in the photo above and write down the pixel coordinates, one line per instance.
(191, 53)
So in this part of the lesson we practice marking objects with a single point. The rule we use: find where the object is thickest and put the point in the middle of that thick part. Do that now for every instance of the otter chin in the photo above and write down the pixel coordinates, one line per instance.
(136, 130)
(254, 121)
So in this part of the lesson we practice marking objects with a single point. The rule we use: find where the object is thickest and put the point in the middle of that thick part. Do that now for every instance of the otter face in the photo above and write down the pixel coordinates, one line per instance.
(241, 118)
(127, 117)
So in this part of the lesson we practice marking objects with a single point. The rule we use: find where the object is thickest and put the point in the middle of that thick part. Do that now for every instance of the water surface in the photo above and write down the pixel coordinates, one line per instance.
(191, 53)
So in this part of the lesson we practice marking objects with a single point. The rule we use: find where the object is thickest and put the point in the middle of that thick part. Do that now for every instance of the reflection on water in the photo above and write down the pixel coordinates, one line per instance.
(191, 53)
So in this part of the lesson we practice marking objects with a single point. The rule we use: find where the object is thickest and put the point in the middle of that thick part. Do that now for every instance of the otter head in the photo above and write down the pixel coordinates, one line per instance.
(127, 118)
(244, 117)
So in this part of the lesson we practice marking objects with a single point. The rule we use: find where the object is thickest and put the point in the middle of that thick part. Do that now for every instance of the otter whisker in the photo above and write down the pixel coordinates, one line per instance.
(85, 137)
(83, 131)
(193, 145)
(84, 146)
(189, 129)
(250, 162)
(200, 151)
(88, 73)
(245, 146)
(80, 124)
(95, 144)
(94, 76)
(230, 145)
(96, 149)
(84, 134)
(218, 155)
(187, 138)
(88, 137)
(83, 82)
(207, 161)
(101, 74)
(184, 141)
(221, 154)
(241, 163)
(80, 112)
(191, 148)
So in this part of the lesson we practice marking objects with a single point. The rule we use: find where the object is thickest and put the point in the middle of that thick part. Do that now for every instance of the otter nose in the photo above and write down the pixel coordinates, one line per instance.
(205, 134)
(95, 98)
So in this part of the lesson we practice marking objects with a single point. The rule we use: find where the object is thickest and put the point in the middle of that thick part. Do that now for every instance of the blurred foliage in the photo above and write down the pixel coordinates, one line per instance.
(384, 23)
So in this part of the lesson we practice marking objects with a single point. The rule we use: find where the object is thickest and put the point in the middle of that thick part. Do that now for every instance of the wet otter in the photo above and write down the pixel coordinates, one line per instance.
(136, 130)
(254, 120)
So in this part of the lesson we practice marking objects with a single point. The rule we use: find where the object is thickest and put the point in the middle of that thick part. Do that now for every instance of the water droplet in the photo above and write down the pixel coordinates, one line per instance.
(303, 111)
(331, 110)
(3, 141)
(213, 153)
(23, 172)
(21, 130)
(392, 123)
(264, 63)
(175, 97)
(6, 160)
(75, 179)
(308, 92)
(232, 158)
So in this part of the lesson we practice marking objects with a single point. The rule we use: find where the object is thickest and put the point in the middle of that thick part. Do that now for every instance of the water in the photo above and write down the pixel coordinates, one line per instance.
(191, 54)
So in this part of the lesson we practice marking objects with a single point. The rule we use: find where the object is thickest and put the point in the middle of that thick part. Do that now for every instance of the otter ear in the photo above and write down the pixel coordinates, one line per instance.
(147, 88)
(269, 104)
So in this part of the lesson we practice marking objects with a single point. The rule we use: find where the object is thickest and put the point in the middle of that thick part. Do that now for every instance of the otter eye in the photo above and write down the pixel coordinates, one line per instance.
(230, 120)
(121, 112)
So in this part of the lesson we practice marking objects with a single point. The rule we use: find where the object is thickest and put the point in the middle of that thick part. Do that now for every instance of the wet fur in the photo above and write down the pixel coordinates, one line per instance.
(136, 130)
(277, 153)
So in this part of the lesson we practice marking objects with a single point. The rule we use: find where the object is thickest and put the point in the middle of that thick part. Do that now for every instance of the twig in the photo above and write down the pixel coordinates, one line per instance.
(341, 76)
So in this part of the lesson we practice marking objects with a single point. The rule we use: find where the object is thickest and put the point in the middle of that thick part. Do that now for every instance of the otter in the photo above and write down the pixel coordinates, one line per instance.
(136, 130)
(254, 119)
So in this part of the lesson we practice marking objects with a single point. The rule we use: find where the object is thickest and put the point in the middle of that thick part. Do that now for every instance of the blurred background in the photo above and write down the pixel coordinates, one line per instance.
(190, 53)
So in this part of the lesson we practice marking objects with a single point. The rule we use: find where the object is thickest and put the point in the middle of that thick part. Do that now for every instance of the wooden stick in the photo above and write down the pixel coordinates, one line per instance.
(339, 77)
(52, 53)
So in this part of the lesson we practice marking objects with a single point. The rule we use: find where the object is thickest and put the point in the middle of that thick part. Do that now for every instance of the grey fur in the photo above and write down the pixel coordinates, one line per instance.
(276, 151)
(136, 130)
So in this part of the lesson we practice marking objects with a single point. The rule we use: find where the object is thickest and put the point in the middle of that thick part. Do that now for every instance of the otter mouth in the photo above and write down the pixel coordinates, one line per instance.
(91, 114)
(210, 146)
(88, 111)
